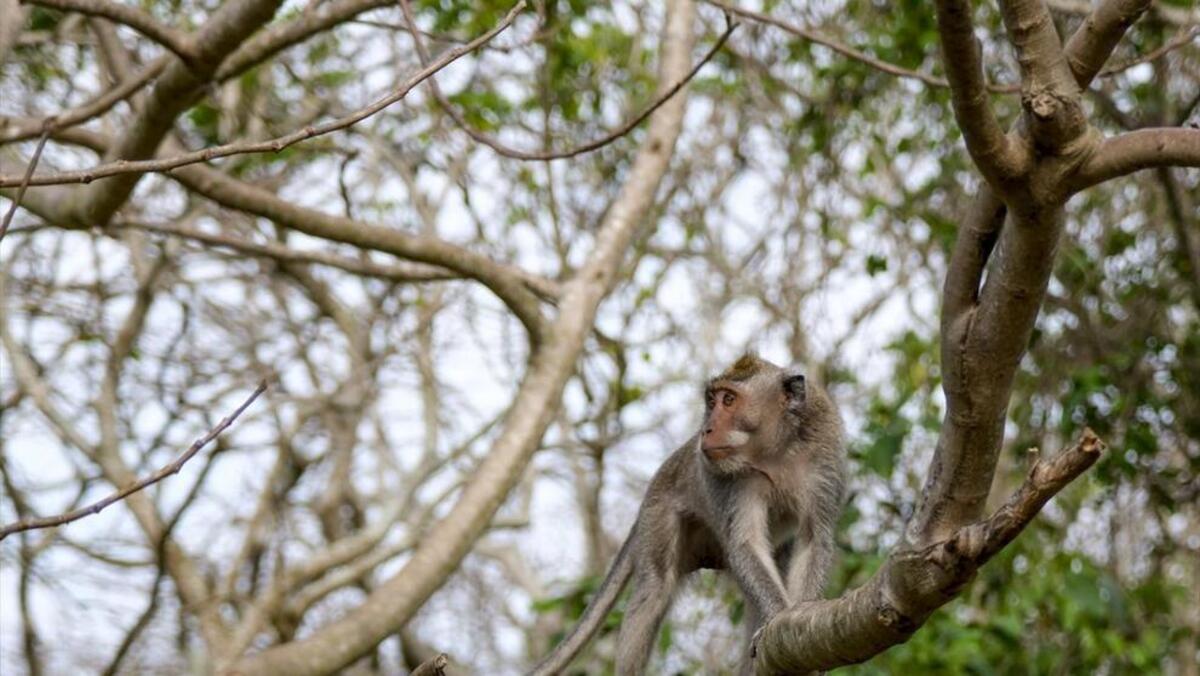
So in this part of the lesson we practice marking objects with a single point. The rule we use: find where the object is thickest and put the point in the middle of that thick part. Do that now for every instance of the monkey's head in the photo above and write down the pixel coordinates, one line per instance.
(751, 410)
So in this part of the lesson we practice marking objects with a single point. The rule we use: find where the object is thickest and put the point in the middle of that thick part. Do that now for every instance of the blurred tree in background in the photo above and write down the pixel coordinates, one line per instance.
(452, 323)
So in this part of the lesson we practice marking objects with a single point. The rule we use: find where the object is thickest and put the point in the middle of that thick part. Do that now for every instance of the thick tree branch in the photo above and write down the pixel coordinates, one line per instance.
(985, 330)
(12, 20)
(997, 157)
(1140, 149)
(1093, 42)
(976, 238)
(177, 89)
(912, 583)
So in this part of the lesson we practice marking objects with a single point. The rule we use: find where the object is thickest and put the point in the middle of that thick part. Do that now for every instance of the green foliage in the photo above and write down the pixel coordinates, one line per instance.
(887, 423)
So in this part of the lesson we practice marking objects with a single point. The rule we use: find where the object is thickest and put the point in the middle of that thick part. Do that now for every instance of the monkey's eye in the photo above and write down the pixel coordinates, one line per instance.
(728, 398)
(709, 399)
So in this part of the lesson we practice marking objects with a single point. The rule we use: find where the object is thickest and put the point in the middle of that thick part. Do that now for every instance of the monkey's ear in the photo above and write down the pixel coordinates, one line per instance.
(793, 387)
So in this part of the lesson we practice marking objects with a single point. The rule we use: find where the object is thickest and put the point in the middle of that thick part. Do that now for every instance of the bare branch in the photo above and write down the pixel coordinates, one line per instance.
(167, 470)
(276, 144)
(510, 283)
(403, 272)
(278, 37)
(33, 161)
(1140, 149)
(147, 25)
(547, 155)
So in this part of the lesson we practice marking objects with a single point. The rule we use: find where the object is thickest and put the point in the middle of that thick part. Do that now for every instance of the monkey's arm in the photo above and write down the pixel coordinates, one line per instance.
(594, 615)
(749, 557)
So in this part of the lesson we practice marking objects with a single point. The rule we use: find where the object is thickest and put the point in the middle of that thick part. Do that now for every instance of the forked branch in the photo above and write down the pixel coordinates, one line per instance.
(912, 583)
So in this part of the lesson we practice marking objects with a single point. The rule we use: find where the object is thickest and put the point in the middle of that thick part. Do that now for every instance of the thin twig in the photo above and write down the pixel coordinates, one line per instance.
(548, 155)
(848, 51)
(271, 145)
(37, 155)
(173, 468)
(1183, 38)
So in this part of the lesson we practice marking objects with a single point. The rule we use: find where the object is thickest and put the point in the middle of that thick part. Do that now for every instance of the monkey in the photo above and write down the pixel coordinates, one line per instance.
(757, 491)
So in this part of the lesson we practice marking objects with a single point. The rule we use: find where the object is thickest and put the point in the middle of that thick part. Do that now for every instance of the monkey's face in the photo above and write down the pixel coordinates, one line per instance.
(745, 420)
(733, 416)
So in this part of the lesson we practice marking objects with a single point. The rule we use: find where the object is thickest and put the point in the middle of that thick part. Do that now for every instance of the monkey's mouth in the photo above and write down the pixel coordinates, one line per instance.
(718, 453)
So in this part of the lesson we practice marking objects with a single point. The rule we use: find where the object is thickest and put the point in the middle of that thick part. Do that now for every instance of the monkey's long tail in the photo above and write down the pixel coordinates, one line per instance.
(593, 616)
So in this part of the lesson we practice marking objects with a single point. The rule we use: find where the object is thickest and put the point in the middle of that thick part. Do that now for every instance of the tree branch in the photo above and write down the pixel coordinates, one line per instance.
(1178, 16)
(1050, 95)
(176, 90)
(1093, 42)
(844, 49)
(18, 130)
(167, 470)
(912, 583)
(174, 40)
(271, 145)
(986, 327)
(403, 272)
(25, 179)
(511, 284)
(996, 156)
(1140, 149)
(433, 667)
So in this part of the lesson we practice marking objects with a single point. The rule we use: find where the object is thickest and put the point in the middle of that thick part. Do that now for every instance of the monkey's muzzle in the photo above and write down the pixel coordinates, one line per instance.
(717, 453)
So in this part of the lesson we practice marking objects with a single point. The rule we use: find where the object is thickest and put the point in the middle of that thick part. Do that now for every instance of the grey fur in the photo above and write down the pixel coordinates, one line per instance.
(775, 498)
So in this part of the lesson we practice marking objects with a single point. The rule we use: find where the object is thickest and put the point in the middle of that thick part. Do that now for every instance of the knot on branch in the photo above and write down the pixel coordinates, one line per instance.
(891, 617)
(433, 667)
(1055, 117)
(1043, 105)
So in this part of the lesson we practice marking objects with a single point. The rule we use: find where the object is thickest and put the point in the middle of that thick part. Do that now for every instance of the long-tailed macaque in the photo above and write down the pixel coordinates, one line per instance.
(757, 492)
